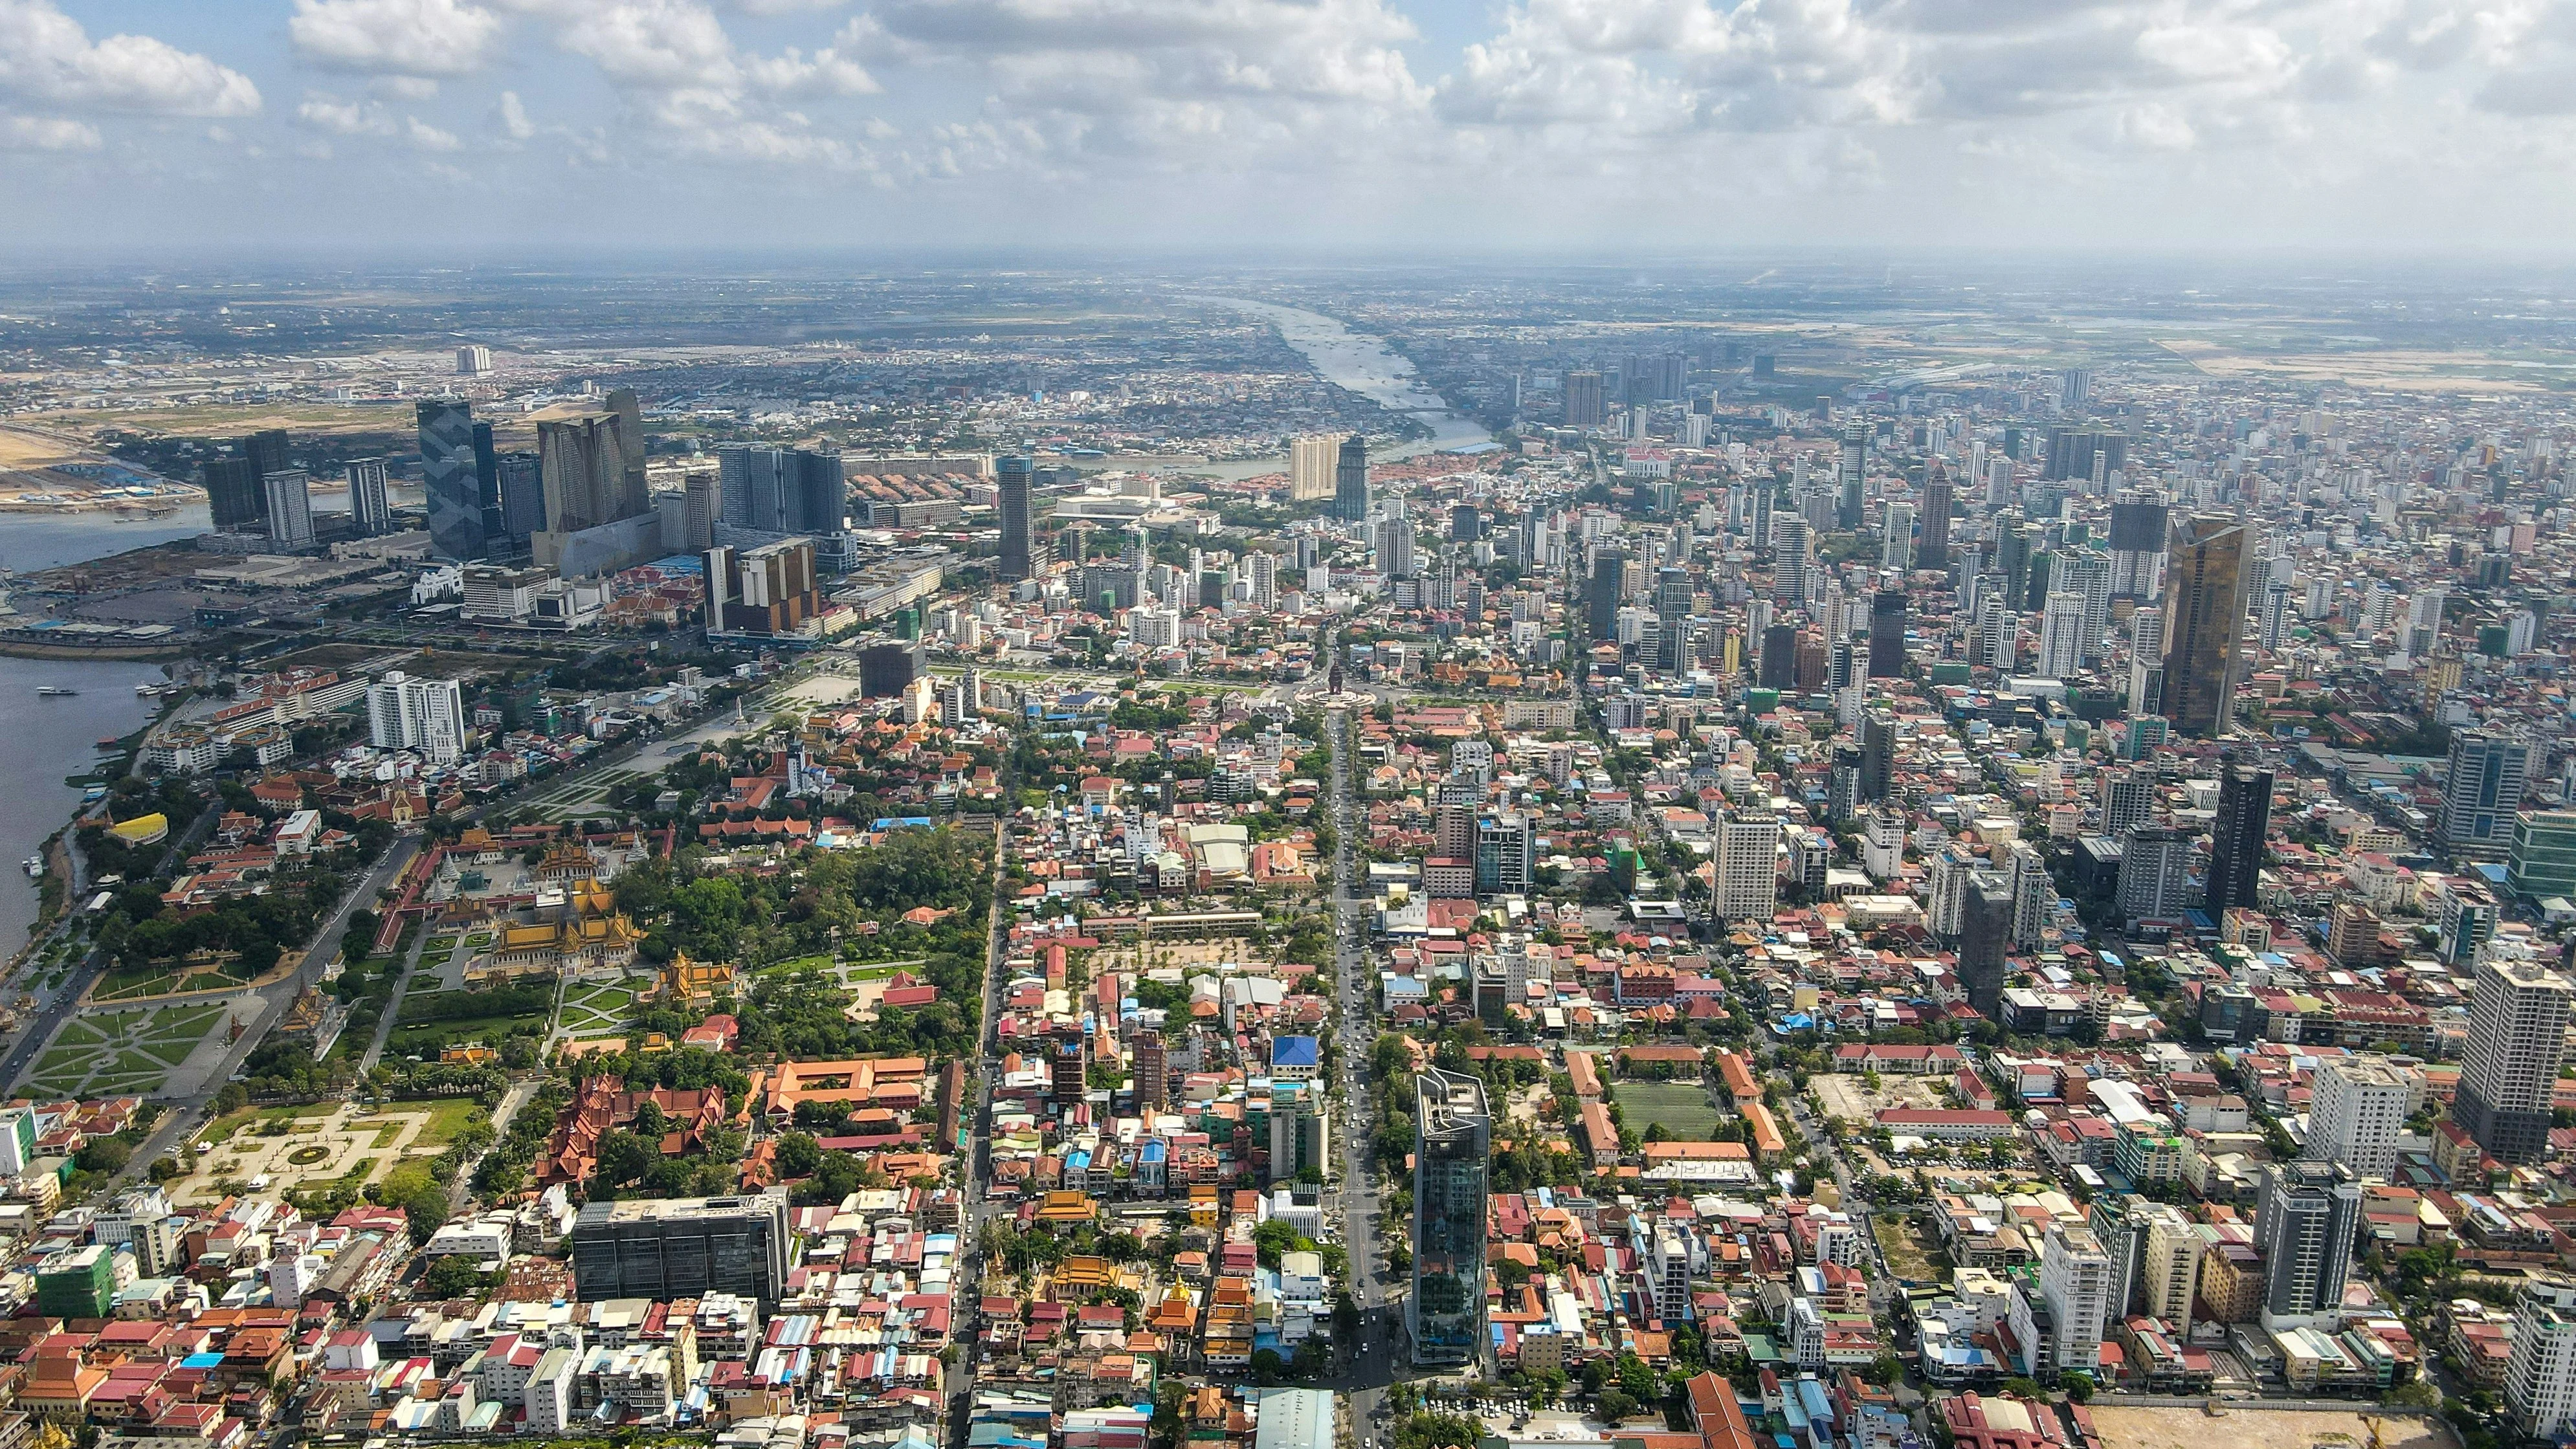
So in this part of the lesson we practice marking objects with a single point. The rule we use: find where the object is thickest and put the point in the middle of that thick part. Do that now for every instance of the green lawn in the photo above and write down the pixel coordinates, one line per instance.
(1683, 1109)
(222, 1129)
(446, 1119)
(121, 1053)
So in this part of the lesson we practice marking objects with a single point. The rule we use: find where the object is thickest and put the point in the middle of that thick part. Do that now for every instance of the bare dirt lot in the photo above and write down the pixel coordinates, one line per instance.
(2124, 1428)
(1851, 1097)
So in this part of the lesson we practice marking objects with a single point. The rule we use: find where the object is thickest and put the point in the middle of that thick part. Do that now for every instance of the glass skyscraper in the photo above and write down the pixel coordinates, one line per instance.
(449, 481)
(2205, 606)
(1454, 1135)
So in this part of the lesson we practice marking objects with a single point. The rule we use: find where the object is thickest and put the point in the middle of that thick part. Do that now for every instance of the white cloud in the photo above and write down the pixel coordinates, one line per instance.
(45, 55)
(344, 118)
(427, 137)
(46, 133)
(404, 37)
(514, 117)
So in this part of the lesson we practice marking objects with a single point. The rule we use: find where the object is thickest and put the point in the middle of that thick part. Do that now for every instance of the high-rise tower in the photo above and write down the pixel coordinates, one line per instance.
(2204, 622)
(1013, 475)
(1350, 482)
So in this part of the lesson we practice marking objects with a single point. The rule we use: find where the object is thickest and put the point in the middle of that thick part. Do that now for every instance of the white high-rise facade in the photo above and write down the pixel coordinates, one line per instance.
(2540, 1378)
(1748, 867)
(427, 715)
(2061, 636)
(2358, 1111)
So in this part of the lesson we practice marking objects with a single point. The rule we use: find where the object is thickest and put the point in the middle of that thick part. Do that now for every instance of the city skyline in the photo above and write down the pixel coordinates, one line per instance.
(1351, 123)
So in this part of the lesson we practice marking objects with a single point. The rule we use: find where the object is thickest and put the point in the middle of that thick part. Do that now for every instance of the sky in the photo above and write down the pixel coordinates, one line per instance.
(1598, 129)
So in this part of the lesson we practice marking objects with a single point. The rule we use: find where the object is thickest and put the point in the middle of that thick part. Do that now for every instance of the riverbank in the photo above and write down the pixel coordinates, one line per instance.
(1355, 362)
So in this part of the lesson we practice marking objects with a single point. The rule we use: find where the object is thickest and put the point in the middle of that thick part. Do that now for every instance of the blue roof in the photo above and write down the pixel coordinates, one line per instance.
(202, 1361)
(1293, 1051)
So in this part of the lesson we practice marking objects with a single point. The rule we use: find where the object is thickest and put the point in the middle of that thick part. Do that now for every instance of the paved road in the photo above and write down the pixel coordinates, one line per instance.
(1376, 1360)
(969, 1324)
(264, 1008)
(393, 1008)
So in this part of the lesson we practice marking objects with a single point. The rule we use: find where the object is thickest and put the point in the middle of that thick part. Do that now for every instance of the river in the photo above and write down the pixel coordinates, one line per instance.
(54, 736)
(1360, 363)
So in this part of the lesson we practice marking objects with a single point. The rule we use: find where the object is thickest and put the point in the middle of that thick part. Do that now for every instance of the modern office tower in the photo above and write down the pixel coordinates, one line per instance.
(581, 461)
(2543, 864)
(1877, 756)
(1453, 1136)
(2075, 1293)
(1265, 580)
(2128, 801)
(522, 481)
(2357, 1113)
(703, 503)
(2482, 792)
(1351, 482)
(2155, 874)
(764, 590)
(1896, 537)
(290, 507)
(1793, 559)
(2146, 663)
(736, 465)
(2540, 1376)
(2083, 454)
(2236, 836)
(2517, 1040)
(1842, 786)
(2016, 538)
(1584, 404)
(822, 494)
(884, 669)
(1601, 594)
(1985, 932)
(266, 450)
(1852, 467)
(447, 480)
(1757, 517)
(1932, 540)
(1311, 461)
(2137, 543)
(1779, 665)
(2305, 1219)
(1012, 474)
(473, 360)
(234, 497)
(427, 715)
(2205, 607)
(370, 511)
(1947, 911)
(487, 485)
(1748, 867)
(1887, 634)
(2033, 893)
(2061, 636)
(1506, 856)
(682, 1247)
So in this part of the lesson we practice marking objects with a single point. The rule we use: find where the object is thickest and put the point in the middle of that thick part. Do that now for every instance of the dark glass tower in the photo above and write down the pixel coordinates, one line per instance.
(2236, 838)
(1350, 482)
(1453, 1136)
(2204, 618)
(1013, 475)
(449, 480)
